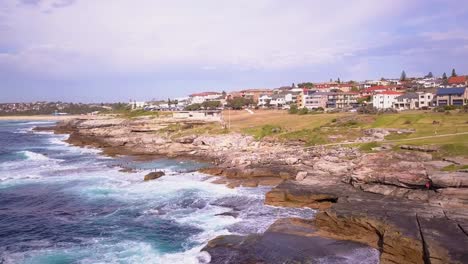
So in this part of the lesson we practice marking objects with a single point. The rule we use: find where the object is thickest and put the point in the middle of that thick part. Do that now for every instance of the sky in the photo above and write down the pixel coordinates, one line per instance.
(121, 50)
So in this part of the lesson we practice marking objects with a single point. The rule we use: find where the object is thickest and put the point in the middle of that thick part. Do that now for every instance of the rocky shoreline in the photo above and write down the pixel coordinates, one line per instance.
(398, 202)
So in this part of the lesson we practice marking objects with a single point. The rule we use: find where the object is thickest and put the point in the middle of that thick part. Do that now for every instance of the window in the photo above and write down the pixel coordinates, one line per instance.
(457, 102)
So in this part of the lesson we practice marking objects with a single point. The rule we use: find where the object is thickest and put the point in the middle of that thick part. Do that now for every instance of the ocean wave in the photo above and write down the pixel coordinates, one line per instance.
(29, 155)
(37, 123)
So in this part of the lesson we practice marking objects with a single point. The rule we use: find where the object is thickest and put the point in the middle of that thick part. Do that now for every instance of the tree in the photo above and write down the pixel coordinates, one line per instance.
(169, 102)
(305, 85)
(210, 105)
(338, 81)
(454, 74)
(403, 76)
(293, 109)
(193, 107)
(239, 102)
(444, 76)
(268, 103)
(293, 85)
(224, 94)
(429, 75)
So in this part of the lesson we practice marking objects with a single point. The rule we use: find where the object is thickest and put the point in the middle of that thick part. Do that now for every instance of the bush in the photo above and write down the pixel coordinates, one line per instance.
(368, 109)
(303, 111)
(293, 109)
(439, 109)
(449, 107)
(464, 109)
(193, 107)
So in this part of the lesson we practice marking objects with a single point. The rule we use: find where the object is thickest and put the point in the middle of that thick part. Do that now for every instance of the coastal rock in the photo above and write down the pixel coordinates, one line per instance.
(419, 148)
(388, 169)
(186, 140)
(301, 175)
(154, 175)
(449, 179)
(287, 241)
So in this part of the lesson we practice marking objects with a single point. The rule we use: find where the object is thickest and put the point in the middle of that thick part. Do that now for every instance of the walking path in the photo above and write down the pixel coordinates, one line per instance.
(394, 140)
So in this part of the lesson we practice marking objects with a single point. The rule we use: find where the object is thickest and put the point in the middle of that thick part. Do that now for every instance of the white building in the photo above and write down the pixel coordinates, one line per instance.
(137, 105)
(200, 98)
(385, 99)
(410, 101)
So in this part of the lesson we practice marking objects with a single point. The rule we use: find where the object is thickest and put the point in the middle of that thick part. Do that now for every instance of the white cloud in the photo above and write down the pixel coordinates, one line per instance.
(147, 35)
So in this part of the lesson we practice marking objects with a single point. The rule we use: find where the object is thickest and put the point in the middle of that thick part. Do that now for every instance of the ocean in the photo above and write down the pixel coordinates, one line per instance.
(65, 204)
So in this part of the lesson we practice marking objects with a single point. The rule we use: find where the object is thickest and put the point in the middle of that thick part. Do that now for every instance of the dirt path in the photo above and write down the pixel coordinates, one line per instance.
(395, 140)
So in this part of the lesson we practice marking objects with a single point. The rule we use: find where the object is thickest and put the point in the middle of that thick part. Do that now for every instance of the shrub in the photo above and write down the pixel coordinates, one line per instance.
(303, 111)
(449, 107)
(368, 109)
(293, 109)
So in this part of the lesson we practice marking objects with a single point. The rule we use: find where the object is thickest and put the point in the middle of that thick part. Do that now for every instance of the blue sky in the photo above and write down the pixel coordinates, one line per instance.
(94, 51)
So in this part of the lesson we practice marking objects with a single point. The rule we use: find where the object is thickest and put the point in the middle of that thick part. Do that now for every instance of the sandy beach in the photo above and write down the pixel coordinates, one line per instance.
(42, 117)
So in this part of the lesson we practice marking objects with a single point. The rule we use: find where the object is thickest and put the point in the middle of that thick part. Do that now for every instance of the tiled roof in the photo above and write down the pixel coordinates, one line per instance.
(457, 80)
(390, 93)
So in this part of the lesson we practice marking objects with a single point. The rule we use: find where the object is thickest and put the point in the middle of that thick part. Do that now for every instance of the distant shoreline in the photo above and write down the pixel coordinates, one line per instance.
(40, 117)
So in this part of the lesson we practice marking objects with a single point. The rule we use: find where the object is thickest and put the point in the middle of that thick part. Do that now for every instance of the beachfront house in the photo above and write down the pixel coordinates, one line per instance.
(409, 101)
(342, 100)
(315, 100)
(452, 96)
(458, 81)
(384, 100)
(200, 98)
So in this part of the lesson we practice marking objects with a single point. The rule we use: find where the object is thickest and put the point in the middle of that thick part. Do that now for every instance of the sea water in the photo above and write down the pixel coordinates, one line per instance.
(65, 204)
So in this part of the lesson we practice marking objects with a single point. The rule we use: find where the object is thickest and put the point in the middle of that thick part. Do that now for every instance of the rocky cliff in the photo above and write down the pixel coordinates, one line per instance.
(398, 202)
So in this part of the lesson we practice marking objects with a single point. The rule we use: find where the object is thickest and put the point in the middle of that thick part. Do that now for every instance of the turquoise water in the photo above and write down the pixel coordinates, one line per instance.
(64, 204)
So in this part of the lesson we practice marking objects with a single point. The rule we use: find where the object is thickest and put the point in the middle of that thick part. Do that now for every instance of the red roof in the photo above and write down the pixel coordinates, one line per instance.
(390, 93)
(205, 94)
(457, 80)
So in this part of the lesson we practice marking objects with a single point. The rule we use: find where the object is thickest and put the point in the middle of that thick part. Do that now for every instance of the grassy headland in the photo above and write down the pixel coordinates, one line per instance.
(440, 129)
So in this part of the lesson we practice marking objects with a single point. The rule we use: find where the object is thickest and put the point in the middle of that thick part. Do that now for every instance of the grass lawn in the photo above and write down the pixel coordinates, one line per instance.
(315, 129)
(323, 128)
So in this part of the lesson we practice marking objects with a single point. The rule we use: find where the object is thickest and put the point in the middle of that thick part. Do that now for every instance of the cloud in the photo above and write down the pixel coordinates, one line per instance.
(129, 37)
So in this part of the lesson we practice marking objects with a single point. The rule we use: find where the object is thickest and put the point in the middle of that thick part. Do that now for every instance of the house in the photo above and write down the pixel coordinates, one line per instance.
(254, 94)
(458, 81)
(208, 115)
(264, 100)
(315, 100)
(376, 89)
(278, 100)
(137, 105)
(199, 98)
(410, 101)
(385, 99)
(452, 96)
(342, 100)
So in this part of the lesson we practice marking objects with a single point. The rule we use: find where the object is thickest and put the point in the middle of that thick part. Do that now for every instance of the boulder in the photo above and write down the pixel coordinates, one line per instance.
(449, 179)
(154, 175)
(301, 175)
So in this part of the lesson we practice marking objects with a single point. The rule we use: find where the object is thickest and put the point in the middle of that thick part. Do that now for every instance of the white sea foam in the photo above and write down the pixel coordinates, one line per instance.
(37, 123)
(33, 155)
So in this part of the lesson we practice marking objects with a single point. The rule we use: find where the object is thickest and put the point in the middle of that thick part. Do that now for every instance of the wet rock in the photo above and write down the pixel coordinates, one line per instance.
(287, 241)
(154, 175)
